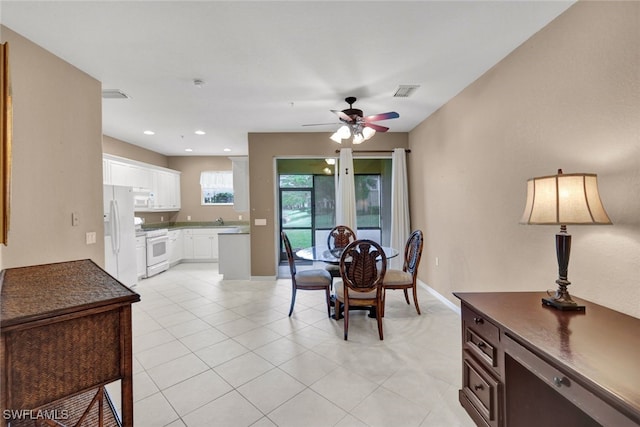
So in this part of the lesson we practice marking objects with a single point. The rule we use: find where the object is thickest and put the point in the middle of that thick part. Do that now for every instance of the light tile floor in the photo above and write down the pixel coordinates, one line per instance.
(209, 352)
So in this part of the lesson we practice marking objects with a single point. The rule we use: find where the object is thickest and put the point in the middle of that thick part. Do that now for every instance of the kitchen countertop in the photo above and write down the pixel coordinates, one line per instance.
(243, 226)
(194, 224)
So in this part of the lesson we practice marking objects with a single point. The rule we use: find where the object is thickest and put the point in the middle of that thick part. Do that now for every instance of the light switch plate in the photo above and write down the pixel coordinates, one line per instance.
(260, 221)
(91, 238)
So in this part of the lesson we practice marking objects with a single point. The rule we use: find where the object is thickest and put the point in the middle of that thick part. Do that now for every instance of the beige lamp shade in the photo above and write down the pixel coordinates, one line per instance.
(564, 199)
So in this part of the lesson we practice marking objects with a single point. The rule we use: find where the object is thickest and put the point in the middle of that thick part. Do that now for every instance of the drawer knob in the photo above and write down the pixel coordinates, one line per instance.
(481, 344)
(478, 320)
(559, 382)
(478, 387)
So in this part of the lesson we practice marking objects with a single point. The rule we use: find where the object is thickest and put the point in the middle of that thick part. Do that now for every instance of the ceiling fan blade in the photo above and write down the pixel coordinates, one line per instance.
(376, 127)
(321, 124)
(382, 116)
(342, 116)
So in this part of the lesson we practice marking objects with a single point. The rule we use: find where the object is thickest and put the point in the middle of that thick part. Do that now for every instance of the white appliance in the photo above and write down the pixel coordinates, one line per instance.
(119, 234)
(157, 251)
(142, 198)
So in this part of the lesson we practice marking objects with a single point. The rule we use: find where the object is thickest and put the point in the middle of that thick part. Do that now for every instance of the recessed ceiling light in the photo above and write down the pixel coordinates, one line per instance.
(227, 150)
(200, 132)
(188, 149)
(149, 132)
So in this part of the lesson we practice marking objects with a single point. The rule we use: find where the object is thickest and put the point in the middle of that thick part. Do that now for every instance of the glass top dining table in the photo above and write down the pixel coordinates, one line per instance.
(322, 253)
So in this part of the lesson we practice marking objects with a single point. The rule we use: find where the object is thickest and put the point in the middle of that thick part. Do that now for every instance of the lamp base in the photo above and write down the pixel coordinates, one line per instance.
(562, 305)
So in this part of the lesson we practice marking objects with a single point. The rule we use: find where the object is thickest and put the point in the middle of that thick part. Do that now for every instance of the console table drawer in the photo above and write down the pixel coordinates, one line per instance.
(481, 337)
(585, 400)
(481, 389)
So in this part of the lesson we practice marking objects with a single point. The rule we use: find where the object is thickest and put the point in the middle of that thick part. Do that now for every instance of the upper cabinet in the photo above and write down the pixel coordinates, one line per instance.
(162, 184)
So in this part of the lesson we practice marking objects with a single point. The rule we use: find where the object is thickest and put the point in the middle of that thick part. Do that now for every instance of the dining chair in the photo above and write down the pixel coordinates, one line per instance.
(405, 279)
(363, 265)
(338, 238)
(316, 279)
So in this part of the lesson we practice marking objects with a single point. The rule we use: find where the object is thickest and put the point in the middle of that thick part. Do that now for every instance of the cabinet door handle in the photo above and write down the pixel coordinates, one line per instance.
(481, 344)
(478, 387)
(478, 320)
(560, 381)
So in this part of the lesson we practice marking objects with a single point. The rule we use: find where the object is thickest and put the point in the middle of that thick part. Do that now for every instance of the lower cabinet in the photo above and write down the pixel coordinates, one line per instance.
(201, 244)
(175, 247)
(141, 256)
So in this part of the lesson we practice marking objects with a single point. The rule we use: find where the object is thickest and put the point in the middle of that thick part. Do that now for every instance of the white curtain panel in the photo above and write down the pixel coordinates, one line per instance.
(400, 221)
(346, 194)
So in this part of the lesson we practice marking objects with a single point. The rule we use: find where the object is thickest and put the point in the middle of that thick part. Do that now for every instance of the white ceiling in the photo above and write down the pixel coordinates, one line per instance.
(272, 66)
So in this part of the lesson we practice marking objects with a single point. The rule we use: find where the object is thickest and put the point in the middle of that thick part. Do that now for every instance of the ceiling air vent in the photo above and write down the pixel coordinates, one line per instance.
(405, 91)
(114, 94)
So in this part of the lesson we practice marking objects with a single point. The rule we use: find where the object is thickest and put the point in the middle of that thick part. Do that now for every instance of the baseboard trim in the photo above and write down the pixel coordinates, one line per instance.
(263, 278)
(439, 296)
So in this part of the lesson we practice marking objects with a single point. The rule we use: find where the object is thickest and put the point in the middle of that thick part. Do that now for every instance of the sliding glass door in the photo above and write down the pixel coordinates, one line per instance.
(307, 200)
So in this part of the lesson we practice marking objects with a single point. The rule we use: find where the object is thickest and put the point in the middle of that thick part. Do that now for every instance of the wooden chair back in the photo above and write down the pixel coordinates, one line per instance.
(339, 237)
(413, 252)
(363, 265)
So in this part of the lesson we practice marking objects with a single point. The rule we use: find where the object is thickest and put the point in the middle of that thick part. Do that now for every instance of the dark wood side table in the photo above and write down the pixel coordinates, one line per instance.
(528, 365)
(66, 330)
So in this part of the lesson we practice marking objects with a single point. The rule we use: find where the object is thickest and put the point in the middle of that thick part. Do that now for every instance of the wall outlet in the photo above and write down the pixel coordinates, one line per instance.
(260, 221)
(161, 218)
(437, 261)
(188, 217)
(239, 217)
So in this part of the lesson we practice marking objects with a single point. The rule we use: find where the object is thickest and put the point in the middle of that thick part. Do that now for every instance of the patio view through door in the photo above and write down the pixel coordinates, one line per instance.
(307, 200)
(307, 205)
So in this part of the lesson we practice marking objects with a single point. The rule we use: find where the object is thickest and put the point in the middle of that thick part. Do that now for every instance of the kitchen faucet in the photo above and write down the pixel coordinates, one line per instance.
(220, 221)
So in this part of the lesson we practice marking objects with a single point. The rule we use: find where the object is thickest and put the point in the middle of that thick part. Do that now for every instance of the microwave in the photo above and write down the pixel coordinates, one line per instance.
(142, 198)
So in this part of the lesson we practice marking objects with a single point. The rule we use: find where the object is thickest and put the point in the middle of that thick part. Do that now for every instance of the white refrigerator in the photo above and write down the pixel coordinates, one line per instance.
(120, 234)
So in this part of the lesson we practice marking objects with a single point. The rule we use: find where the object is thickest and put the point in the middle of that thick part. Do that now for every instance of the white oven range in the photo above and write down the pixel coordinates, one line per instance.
(157, 251)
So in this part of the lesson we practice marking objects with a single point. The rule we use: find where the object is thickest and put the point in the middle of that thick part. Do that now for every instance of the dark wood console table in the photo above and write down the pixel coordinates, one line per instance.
(66, 332)
(525, 364)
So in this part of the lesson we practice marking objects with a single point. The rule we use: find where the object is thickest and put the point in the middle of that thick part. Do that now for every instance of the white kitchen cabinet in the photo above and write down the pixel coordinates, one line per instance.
(201, 244)
(163, 183)
(120, 173)
(141, 256)
(166, 190)
(175, 247)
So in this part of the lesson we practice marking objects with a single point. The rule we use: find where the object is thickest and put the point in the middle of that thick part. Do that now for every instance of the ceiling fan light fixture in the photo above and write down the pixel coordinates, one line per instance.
(368, 132)
(336, 138)
(358, 138)
(344, 132)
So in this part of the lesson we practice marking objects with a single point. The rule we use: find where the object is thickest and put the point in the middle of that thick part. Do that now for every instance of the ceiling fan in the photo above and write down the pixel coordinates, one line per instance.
(361, 128)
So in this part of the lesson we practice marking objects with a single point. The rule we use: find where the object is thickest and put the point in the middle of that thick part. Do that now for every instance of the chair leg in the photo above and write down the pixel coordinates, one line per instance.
(406, 296)
(346, 318)
(415, 299)
(380, 308)
(293, 299)
(328, 293)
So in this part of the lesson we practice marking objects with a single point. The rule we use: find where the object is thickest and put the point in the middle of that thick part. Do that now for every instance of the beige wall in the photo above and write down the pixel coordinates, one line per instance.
(567, 98)
(120, 148)
(57, 159)
(191, 167)
(263, 149)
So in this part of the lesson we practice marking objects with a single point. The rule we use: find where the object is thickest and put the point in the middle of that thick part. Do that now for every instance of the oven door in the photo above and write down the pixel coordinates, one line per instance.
(157, 250)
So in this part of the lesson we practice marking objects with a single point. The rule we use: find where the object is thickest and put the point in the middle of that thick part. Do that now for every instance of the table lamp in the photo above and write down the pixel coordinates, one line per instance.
(563, 199)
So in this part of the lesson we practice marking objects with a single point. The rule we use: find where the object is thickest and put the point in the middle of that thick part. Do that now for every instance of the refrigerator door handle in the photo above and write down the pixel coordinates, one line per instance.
(112, 226)
(117, 222)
